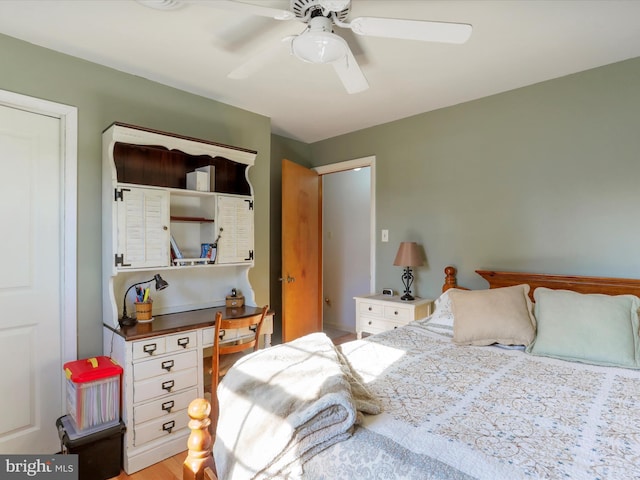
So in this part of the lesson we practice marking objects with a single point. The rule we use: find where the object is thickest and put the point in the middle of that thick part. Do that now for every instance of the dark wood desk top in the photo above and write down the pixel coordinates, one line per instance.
(181, 321)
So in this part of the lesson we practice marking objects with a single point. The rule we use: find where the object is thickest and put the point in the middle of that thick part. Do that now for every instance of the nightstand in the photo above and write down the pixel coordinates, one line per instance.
(378, 313)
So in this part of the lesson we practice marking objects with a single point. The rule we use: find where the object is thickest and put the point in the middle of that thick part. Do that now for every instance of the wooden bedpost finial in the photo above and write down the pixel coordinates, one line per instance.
(199, 463)
(450, 280)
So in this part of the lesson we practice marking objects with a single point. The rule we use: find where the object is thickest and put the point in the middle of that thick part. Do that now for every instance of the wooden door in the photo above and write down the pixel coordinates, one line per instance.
(31, 281)
(301, 251)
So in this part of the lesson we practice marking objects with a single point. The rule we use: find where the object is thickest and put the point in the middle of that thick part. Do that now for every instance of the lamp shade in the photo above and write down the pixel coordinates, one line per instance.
(409, 255)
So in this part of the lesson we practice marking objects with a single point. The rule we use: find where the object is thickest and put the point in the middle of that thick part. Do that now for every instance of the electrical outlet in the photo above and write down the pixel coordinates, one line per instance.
(385, 235)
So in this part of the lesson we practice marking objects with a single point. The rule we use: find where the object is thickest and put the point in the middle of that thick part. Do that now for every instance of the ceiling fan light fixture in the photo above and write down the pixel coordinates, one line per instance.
(319, 47)
(334, 5)
(162, 4)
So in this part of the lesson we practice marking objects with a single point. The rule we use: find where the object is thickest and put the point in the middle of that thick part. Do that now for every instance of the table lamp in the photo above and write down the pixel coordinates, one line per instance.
(126, 320)
(409, 255)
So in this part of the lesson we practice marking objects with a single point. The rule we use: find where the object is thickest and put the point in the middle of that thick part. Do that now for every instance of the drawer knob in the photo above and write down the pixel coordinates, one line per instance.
(370, 308)
(167, 427)
(167, 365)
(395, 313)
(149, 348)
(167, 406)
(370, 322)
(183, 342)
(168, 385)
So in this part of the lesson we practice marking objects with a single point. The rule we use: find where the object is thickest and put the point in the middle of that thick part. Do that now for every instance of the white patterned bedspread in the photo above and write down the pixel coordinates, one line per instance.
(485, 412)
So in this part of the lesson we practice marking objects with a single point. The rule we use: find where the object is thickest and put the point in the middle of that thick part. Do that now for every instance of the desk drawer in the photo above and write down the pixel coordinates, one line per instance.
(165, 364)
(164, 384)
(181, 341)
(163, 407)
(230, 335)
(150, 347)
(161, 427)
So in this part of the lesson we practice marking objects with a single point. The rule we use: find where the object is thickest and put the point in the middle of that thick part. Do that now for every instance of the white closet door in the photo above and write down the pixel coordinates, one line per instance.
(235, 226)
(143, 227)
(30, 281)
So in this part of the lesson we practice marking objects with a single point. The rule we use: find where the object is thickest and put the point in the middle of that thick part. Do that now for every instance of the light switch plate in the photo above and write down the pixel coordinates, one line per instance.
(385, 235)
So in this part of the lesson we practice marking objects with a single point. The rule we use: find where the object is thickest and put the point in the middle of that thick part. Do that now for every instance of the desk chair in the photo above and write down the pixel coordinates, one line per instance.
(225, 354)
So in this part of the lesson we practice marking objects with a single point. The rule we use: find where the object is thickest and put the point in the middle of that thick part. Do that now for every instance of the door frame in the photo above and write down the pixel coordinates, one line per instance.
(68, 116)
(369, 161)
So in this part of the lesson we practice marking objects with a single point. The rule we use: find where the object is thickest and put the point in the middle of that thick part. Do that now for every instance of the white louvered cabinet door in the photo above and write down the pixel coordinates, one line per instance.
(142, 227)
(235, 227)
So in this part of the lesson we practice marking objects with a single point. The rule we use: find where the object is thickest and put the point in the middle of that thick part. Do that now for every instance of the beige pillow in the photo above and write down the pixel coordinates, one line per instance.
(499, 315)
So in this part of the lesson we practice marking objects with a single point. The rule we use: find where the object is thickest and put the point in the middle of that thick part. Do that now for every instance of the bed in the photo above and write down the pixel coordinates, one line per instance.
(536, 377)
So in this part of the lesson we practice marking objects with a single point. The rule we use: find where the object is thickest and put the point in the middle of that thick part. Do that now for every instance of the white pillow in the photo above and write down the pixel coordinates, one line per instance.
(441, 320)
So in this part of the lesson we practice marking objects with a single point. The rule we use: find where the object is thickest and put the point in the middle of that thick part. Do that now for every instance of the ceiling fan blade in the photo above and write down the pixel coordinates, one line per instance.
(350, 74)
(251, 9)
(258, 60)
(411, 29)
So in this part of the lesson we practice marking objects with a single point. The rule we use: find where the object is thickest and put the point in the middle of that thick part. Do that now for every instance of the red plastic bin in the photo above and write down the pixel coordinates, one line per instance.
(93, 393)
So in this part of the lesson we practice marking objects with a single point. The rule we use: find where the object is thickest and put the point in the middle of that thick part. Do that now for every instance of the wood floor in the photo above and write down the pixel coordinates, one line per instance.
(171, 468)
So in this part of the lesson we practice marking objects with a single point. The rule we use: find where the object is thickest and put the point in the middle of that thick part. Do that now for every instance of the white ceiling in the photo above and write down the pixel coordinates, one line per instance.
(514, 43)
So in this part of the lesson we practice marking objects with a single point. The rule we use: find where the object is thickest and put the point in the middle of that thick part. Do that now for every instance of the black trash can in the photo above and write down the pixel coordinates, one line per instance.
(99, 453)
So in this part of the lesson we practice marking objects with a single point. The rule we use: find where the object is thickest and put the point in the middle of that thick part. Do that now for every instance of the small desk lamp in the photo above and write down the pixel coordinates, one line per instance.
(408, 256)
(126, 320)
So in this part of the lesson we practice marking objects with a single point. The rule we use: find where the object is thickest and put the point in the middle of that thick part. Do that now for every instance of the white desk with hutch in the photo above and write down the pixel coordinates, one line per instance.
(145, 205)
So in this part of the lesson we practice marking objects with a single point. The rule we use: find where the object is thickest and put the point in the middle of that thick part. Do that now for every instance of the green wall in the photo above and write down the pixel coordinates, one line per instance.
(102, 96)
(543, 178)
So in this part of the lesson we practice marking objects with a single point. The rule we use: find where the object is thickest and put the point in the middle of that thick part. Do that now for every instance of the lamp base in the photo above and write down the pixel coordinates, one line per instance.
(407, 297)
(127, 322)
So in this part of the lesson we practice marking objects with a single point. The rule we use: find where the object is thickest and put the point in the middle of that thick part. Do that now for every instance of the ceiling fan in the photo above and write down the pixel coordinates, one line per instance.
(318, 43)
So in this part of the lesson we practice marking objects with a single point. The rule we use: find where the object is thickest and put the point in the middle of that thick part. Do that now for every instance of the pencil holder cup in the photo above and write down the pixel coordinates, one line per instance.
(143, 311)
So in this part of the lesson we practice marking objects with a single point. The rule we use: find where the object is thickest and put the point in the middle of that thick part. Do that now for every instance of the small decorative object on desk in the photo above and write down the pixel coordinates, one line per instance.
(235, 300)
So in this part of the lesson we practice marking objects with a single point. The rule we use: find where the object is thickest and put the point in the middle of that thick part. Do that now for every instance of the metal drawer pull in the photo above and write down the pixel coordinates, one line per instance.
(370, 322)
(167, 427)
(253, 328)
(221, 334)
(167, 406)
(395, 313)
(168, 385)
(183, 342)
(150, 348)
(167, 365)
(370, 308)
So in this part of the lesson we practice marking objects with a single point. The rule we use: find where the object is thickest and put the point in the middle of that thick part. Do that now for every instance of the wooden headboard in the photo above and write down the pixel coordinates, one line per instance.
(576, 283)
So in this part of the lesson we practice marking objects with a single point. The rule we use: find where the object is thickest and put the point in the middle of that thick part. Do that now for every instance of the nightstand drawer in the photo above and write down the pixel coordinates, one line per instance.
(371, 309)
(164, 407)
(165, 364)
(164, 384)
(398, 313)
(377, 313)
(377, 325)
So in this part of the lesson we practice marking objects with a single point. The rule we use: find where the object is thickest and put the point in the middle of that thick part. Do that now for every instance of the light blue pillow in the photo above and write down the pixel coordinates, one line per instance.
(590, 328)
